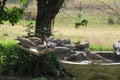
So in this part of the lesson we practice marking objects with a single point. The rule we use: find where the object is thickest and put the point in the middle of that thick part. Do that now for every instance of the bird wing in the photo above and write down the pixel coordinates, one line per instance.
(95, 56)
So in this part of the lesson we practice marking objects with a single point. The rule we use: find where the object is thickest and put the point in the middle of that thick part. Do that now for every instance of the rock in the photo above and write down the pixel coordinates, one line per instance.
(58, 42)
(61, 50)
(66, 41)
(66, 56)
(81, 46)
(51, 39)
(71, 46)
(51, 45)
(41, 48)
(78, 56)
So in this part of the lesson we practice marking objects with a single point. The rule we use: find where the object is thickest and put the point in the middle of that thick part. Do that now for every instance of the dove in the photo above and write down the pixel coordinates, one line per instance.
(116, 47)
(36, 40)
(93, 57)
(26, 42)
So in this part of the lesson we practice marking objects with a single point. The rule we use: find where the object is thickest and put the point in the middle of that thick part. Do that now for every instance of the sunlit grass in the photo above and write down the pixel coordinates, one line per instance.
(102, 35)
(98, 32)
(11, 32)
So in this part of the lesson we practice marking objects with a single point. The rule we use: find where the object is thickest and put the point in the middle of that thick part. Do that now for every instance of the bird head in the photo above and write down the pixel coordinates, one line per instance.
(18, 38)
(118, 41)
(87, 50)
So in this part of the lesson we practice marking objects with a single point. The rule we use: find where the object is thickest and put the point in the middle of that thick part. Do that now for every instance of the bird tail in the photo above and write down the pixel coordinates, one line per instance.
(108, 60)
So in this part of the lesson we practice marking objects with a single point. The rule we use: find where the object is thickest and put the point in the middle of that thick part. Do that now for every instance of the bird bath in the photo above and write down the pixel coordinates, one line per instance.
(99, 71)
(78, 65)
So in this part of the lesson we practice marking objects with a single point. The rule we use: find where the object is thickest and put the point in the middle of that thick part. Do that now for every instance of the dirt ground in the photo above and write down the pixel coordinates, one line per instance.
(14, 78)
(31, 78)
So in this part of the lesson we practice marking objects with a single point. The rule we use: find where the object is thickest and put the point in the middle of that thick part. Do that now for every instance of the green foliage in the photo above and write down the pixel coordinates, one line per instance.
(19, 62)
(14, 14)
(29, 29)
(50, 66)
(41, 78)
(10, 14)
(80, 22)
(100, 48)
(14, 60)
(23, 1)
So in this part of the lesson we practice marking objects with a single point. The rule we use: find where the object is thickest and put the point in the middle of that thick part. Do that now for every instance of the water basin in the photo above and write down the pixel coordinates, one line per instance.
(98, 71)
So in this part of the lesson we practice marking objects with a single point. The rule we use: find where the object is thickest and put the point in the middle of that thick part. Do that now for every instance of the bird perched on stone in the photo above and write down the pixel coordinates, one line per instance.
(51, 45)
(63, 52)
(41, 48)
(94, 58)
(36, 40)
(116, 47)
(26, 42)
(76, 56)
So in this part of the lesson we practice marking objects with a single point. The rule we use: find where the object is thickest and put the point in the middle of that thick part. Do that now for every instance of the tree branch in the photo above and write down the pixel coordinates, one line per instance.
(115, 12)
(3, 4)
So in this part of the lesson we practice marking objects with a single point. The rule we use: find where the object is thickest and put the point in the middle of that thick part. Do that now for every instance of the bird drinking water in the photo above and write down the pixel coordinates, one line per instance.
(95, 58)
(116, 47)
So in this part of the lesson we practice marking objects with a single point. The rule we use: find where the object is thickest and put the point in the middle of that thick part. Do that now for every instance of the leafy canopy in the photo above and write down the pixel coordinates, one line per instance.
(12, 15)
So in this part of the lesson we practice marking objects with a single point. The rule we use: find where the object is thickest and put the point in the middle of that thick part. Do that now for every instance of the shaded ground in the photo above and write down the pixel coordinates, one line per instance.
(31, 78)
(14, 78)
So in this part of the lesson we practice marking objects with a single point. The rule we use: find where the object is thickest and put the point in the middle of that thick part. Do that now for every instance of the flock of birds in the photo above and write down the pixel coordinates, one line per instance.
(64, 46)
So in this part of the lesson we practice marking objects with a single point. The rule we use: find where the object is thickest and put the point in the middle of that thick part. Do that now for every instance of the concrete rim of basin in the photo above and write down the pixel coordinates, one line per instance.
(78, 63)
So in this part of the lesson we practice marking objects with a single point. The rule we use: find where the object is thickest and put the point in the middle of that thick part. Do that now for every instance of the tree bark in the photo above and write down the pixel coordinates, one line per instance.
(47, 10)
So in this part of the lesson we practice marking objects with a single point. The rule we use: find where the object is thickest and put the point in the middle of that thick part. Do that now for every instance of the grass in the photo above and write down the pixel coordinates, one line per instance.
(98, 34)
(100, 0)
(101, 36)
(8, 31)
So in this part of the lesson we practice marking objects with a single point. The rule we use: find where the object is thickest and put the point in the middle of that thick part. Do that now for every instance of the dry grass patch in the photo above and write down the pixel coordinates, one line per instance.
(98, 35)
(9, 31)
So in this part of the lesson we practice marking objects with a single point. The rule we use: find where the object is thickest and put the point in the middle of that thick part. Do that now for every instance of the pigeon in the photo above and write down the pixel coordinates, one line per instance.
(36, 40)
(25, 42)
(94, 58)
(51, 45)
(75, 56)
(41, 48)
(116, 47)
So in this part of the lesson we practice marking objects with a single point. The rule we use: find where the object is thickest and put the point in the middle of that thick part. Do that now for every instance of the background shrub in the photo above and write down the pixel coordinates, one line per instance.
(94, 47)
(14, 60)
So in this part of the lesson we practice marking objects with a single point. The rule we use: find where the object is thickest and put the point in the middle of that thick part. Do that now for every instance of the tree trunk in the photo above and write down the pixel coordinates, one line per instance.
(47, 10)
